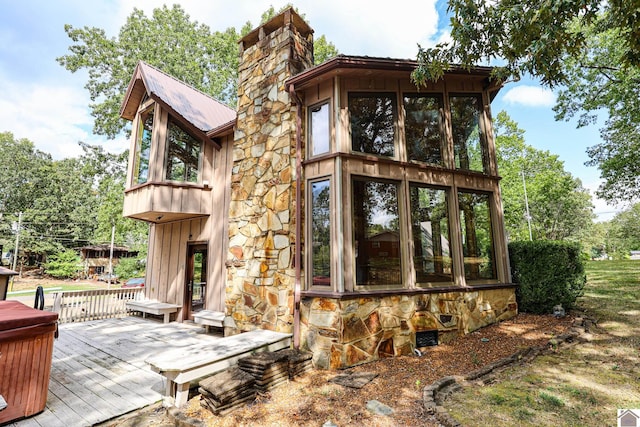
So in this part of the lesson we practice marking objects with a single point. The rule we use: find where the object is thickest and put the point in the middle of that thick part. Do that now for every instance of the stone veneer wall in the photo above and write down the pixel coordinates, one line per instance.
(260, 270)
(347, 332)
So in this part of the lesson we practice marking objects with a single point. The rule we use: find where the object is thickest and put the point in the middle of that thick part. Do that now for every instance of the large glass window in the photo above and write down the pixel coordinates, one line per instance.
(477, 236)
(321, 232)
(319, 132)
(183, 154)
(143, 147)
(373, 119)
(376, 226)
(468, 147)
(423, 130)
(430, 229)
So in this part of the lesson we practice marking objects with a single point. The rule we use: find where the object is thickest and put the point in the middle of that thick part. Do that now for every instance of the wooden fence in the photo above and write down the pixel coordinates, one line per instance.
(81, 306)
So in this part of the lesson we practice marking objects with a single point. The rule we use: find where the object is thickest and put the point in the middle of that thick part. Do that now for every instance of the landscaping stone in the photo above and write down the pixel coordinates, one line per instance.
(379, 408)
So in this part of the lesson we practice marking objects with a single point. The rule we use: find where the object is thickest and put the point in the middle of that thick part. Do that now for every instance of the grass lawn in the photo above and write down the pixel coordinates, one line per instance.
(582, 384)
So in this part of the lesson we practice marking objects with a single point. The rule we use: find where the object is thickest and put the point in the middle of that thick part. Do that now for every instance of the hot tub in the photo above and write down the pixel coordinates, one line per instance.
(26, 347)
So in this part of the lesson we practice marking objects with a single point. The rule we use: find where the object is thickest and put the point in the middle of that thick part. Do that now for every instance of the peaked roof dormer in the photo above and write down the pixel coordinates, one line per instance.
(205, 115)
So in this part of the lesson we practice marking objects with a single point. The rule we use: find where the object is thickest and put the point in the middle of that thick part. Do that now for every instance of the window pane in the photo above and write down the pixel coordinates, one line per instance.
(477, 238)
(372, 123)
(469, 151)
(321, 232)
(183, 154)
(422, 128)
(376, 233)
(430, 228)
(143, 146)
(319, 129)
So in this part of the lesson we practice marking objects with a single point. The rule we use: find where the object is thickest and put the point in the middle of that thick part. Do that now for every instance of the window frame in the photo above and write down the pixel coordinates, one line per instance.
(402, 252)
(395, 119)
(442, 127)
(309, 240)
(482, 129)
(310, 144)
(491, 219)
(169, 121)
(145, 112)
(452, 244)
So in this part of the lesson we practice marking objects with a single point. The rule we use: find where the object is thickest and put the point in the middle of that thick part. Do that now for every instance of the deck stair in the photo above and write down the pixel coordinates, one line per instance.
(182, 366)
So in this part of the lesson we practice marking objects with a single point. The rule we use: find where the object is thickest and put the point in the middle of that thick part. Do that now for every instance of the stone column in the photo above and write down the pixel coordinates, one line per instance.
(261, 273)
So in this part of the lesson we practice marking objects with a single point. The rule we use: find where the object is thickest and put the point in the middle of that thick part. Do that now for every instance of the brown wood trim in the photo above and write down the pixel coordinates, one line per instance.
(169, 184)
(415, 291)
(415, 165)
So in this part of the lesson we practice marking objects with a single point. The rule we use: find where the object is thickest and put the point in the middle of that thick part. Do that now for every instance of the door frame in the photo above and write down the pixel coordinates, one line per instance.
(192, 248)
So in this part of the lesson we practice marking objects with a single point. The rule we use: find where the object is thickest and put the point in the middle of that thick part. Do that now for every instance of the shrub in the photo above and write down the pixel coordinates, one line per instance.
(547, 273)
(63, 265)
(128, 268)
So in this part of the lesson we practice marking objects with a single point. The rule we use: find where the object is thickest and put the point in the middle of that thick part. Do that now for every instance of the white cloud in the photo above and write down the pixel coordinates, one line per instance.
(356, 27)
(53, 117)
(530, 96)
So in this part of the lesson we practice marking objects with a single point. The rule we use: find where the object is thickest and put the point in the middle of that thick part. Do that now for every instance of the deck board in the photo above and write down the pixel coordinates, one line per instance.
(99, 372)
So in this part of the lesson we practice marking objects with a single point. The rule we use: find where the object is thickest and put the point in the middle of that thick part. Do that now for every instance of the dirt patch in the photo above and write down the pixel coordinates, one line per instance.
(312, 400)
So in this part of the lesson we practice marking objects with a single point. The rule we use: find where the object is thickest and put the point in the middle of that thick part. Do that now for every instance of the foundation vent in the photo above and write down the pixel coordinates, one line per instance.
(426, 338)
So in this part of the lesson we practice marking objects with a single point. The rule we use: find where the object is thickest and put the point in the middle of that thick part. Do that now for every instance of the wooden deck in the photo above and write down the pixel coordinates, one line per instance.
(99, 371)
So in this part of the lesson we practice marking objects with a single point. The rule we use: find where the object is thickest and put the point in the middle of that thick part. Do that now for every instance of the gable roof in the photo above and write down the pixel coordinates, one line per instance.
(202, 112)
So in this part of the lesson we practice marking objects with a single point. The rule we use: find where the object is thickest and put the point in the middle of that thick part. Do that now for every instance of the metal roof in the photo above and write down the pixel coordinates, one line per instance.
(197, 108)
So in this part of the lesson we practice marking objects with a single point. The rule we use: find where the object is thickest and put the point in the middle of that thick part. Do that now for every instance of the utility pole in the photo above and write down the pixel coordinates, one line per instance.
(15, 253)
(113, 233)
(526, 204)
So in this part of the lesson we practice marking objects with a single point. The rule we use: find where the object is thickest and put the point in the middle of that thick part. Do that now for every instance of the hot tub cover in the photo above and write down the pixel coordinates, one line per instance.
(15, 315)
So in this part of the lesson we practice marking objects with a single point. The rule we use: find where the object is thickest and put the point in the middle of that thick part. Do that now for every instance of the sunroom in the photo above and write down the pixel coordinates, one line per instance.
(404, 228)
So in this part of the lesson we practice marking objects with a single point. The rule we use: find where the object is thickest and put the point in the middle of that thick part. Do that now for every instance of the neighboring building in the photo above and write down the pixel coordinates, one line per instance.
(95, 258)
(392, 189)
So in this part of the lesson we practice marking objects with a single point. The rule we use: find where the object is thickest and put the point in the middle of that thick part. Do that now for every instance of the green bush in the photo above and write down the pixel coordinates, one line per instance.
(63, 265)
(128, 268)
(548, 273)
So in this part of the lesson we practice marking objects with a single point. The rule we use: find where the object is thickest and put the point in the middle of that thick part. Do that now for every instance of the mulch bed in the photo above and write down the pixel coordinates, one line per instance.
(313, 400)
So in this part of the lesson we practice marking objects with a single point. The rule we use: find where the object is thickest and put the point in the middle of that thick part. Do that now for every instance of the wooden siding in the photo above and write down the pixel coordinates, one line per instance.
(167, 254)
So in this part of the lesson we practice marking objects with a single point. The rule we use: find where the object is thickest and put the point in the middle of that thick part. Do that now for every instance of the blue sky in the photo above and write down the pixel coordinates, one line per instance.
(41, 101)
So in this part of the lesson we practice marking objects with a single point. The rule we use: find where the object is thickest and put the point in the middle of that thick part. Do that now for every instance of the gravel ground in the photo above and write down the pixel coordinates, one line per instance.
(313, 401)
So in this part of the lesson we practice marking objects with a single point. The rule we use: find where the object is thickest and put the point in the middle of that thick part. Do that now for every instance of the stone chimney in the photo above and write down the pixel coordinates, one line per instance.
(261, 271)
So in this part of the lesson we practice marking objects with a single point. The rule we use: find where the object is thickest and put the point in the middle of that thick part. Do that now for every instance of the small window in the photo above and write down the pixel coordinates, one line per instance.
(477, 235)
(143, 147)
(376, 226)
(423, 128)
(319, 129)
(183, 154)
(321, 232)
(373, 118)
(431, 238)
(469, 148)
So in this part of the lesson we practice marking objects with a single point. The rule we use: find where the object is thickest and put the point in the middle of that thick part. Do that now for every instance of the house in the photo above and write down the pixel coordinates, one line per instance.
(338, 202)
(95, 258)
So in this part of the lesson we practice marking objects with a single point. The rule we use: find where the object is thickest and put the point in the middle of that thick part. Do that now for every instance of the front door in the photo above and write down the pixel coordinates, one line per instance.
(196, 279)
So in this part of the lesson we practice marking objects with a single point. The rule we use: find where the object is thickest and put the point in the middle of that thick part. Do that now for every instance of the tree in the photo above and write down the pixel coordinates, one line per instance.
(624, 232)
(168, 40)
(589, 49)
(559, 206)
(598, 83)
(534, 37)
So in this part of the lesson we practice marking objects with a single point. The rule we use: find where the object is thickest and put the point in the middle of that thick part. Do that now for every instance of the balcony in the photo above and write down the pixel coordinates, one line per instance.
(162, 202)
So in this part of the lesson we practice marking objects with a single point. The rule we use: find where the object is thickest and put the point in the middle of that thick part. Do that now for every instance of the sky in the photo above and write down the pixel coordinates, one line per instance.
(45, 103)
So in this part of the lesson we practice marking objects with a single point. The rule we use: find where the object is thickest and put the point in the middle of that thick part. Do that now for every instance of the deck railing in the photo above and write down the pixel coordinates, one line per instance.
(81, 306)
